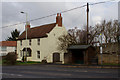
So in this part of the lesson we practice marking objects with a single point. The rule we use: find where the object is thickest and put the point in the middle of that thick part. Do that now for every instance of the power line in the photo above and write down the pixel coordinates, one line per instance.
(55, 13)
(101, 2)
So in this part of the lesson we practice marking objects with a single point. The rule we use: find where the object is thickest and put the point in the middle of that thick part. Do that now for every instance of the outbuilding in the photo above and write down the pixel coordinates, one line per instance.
(81, 54)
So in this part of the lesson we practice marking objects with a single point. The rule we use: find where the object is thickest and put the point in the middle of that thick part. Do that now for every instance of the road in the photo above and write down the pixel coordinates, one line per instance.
(56, 71)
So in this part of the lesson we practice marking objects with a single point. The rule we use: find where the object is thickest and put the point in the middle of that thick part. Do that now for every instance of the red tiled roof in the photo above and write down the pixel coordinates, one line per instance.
(8, 43)
(37, 32)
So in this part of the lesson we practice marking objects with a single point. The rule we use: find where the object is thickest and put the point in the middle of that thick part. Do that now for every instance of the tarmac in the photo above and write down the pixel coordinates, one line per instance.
(91, 66)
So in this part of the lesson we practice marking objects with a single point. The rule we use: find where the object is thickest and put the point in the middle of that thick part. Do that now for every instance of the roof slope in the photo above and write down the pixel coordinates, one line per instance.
(37, 32)
(79, 46)
(8, 43)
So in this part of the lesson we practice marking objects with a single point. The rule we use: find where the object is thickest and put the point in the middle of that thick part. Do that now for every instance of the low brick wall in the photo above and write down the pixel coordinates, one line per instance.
(109, 58)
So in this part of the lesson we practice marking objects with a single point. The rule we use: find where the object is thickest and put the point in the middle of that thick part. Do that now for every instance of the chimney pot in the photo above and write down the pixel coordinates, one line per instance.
(60, 14)
(59, 19)
(57, 14)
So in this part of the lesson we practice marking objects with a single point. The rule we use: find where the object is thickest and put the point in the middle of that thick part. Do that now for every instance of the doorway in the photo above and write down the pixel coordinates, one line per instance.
(78, 57)
(56, 57)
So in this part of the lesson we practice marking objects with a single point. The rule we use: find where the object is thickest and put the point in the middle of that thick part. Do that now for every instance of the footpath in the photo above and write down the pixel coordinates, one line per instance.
(87, 66)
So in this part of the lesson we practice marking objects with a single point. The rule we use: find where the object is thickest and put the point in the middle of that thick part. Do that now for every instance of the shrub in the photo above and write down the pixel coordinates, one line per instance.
(10, 58)
(44, 61)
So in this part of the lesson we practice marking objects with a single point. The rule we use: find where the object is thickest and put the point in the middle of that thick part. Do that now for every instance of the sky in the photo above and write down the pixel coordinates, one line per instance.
(10, 13)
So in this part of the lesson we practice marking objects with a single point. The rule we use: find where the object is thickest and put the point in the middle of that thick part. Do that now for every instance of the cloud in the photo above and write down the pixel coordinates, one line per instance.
(76, 18)
(108, 11)
(97, 19)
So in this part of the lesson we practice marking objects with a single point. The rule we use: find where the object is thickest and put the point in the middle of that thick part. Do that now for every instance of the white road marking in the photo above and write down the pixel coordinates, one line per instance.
(11, 74)
(19, 75)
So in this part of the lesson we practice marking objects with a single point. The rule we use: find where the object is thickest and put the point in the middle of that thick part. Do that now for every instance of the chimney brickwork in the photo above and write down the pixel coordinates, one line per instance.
(59, 19)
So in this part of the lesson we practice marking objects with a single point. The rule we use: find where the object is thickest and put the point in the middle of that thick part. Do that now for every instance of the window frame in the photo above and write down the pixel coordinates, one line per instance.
(38, 41)
(3, 49)
(21, 42)
(38, 54)
(21, 54)
(30, 41)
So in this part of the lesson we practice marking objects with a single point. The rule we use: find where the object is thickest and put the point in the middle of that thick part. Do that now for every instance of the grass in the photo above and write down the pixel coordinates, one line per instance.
(20, 63)
(28, 62)
(0, 62)
(110, 64)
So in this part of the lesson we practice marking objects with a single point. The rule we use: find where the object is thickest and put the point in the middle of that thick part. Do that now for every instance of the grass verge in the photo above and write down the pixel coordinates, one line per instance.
(109, 64)
(28, 62)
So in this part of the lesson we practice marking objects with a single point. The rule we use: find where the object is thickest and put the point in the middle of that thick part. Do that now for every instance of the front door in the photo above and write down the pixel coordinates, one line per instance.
(24, 56)
(56, 57)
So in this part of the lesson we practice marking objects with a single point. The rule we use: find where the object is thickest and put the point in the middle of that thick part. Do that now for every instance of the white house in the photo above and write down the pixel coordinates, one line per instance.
(7, 46)
(42, 42)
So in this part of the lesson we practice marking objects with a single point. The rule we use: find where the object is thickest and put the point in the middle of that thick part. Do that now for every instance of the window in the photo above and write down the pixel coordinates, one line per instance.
(38, 41)
(15, 49)
(29, 54)
(38, 54)
(3, 48)
(3, 54)
(119, 39)
(21, 53)
(21, 42)
(30, 42)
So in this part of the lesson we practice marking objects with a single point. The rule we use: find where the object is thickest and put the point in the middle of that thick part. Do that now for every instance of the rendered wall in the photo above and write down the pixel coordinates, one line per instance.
(8, 49)
(47, 46)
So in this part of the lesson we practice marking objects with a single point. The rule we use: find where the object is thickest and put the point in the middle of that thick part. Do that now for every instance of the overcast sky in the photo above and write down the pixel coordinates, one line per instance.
(76, 18)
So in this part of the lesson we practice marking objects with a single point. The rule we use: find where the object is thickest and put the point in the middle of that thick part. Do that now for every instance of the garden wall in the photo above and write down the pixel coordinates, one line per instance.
(109, 58)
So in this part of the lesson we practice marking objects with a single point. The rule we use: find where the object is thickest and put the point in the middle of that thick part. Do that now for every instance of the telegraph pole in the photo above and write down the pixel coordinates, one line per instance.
(87, 20)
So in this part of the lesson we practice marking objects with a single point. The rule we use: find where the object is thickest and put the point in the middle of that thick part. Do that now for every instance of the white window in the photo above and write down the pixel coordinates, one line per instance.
(119, 38)
(21, 42)
(3, 48)
(38, 41)
(21, 53)
(15, 49)
(30, 42)
(38, 54)
(3, 54)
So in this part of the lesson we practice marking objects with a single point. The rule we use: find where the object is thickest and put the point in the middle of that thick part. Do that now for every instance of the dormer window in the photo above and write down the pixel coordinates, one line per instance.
(38, 41)
(30, 42)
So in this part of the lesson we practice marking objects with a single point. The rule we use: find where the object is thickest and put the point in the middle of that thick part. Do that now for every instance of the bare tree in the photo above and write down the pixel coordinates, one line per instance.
(65, 41)
(78, 35)
(108, 28)
(74, 36)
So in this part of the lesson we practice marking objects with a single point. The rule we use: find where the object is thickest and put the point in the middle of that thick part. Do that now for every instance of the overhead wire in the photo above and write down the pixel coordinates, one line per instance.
(55, 13)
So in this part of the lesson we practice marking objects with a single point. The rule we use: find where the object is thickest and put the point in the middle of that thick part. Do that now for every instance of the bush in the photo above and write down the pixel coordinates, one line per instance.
(10, 58)
(44, 61)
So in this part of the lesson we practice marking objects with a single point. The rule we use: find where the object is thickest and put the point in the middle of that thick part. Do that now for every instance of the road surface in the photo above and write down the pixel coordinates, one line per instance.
(56, 71)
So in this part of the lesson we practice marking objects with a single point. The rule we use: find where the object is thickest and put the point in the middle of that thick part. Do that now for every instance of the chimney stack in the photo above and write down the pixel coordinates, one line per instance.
(27, 25)
(59, 19)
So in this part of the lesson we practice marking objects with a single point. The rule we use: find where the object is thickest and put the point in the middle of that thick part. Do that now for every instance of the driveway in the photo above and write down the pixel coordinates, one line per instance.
(56, 71)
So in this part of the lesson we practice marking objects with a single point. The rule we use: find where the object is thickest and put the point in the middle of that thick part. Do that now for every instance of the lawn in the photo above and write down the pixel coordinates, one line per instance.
(0, 62)
(109, 64)
(20, 63)
(28, 62)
